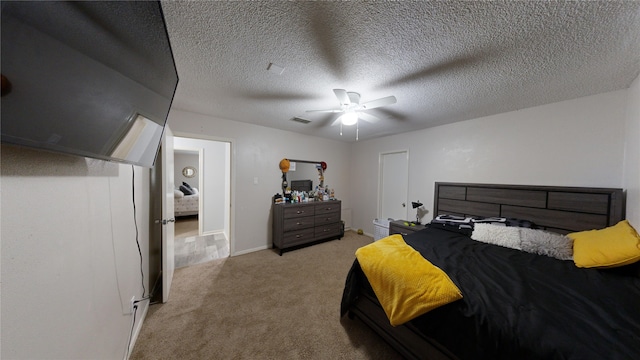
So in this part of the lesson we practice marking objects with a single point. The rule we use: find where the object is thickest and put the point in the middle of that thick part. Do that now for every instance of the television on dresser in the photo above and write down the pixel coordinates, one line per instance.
(89, 78)
(301, 185)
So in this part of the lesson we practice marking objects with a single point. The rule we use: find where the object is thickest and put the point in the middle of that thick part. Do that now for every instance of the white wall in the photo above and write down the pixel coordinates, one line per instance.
(180, 161)
(571, 143)
(70, 262)
(631, 179)
(214, 177)
(256, 154)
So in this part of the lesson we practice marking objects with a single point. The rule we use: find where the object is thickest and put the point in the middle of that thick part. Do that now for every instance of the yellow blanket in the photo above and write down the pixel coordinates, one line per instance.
(406, 284)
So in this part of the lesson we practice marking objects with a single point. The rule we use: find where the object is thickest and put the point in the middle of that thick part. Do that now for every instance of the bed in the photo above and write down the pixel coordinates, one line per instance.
(515, 304)
(186, 205)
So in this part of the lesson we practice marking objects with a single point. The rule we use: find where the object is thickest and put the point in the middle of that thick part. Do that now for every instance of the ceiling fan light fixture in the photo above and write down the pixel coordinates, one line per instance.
(349, 118)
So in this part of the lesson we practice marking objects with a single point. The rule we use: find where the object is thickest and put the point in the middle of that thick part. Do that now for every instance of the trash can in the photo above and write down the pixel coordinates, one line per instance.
(381, 228)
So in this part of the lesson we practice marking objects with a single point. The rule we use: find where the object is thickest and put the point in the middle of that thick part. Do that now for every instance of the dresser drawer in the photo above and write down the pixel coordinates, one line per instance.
(329, 218)
(298, 211)
(328, 207)
(297, 223)
(301, 236)
(328, 230)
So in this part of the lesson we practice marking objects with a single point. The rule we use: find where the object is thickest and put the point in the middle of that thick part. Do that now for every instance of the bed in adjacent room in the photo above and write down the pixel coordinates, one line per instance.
(523, 291)
(186, 200)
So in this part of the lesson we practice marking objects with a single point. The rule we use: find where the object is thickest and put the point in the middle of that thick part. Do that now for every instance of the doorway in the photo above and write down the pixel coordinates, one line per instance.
(394, 183)
(187, 173)
(208, 162)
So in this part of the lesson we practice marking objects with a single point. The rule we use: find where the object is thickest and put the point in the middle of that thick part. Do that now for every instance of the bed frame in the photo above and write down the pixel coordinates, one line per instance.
(554, 208)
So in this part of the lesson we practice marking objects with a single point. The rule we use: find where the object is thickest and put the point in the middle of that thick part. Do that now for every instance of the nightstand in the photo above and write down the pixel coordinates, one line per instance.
(399, 227)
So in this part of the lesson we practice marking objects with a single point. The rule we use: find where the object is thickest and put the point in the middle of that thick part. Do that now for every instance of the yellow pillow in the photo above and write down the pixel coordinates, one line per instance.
(614, 246)
(405, 283)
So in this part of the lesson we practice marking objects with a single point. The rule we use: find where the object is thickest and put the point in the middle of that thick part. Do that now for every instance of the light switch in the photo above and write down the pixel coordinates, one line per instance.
(255, 181)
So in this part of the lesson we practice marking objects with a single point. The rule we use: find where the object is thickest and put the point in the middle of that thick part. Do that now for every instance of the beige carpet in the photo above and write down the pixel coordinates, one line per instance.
(262, 306)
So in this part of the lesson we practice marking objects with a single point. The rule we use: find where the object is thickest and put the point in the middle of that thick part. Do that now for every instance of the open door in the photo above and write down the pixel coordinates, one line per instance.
(168, 219)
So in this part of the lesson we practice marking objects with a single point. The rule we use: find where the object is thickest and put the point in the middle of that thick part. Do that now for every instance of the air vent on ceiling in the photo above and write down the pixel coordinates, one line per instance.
(300, 120)
(276, 69)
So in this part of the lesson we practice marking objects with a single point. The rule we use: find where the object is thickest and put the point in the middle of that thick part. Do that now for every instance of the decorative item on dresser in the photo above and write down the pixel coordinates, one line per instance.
(404, 227)
(301, 224)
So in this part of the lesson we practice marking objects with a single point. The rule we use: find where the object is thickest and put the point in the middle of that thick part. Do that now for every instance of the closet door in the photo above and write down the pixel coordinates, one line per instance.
(393, 185)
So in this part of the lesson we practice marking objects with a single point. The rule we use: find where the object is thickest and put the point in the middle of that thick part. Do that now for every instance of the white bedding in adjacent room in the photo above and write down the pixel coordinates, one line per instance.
(185, 205)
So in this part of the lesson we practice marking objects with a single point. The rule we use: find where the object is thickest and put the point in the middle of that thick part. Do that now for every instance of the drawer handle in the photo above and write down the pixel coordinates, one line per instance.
(298, 223)
(298, 236)
(300, 212)
(328, 219)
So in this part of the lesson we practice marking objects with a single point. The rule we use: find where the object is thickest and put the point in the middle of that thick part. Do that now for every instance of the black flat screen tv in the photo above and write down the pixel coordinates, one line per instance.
(94, 78)
(301, 185)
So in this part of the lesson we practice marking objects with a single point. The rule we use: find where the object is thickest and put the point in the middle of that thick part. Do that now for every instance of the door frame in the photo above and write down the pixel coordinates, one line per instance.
(232, 176)
(380, 176)
(168, 216)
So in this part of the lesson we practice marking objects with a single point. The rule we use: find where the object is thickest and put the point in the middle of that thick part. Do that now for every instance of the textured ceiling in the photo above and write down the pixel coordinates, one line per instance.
(445, 61)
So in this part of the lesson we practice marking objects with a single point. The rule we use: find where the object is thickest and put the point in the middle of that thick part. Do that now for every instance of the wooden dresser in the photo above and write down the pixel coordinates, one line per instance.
(296, 225)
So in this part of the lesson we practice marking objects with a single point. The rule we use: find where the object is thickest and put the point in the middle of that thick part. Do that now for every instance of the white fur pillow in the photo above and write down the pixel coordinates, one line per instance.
(506, 236)
(546, 243)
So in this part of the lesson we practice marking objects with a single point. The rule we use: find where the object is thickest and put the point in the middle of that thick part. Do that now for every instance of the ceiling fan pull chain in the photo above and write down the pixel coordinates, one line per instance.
(357, 130)
(340, 128)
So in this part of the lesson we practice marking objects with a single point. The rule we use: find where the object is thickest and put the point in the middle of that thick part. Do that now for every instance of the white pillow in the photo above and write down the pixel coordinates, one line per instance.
(506, 236)
(546, 243)
(195, 191)
(177, 193)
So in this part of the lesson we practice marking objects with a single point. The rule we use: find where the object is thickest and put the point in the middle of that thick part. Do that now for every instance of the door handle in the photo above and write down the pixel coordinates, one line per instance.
(164, 221)
(404, 205)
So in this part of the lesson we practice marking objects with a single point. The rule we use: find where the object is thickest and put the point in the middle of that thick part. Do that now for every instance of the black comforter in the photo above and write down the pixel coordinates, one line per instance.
(518, 305)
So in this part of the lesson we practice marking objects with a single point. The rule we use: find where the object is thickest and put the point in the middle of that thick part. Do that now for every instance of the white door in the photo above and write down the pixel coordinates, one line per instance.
(394, 183)
(168, 219)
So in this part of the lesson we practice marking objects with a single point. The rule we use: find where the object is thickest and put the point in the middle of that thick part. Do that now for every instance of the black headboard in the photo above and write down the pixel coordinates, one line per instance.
(555, 208)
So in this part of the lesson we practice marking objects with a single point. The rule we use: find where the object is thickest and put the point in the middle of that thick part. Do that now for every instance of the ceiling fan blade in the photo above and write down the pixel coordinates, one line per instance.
(342, 96)
(379, 102)
(336, 121)
(329, 111)
(354, 97)
(368, 117)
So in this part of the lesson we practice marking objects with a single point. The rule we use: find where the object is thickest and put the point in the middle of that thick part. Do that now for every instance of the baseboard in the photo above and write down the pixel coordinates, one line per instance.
(213, 232)
(250, 250)
(137, 326)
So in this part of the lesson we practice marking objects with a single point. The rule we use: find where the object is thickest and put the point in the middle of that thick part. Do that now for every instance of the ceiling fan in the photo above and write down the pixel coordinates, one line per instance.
(352, 110)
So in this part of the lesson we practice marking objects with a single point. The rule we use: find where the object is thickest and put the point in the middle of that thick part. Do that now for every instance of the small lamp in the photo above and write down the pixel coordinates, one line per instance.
(416, 205)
